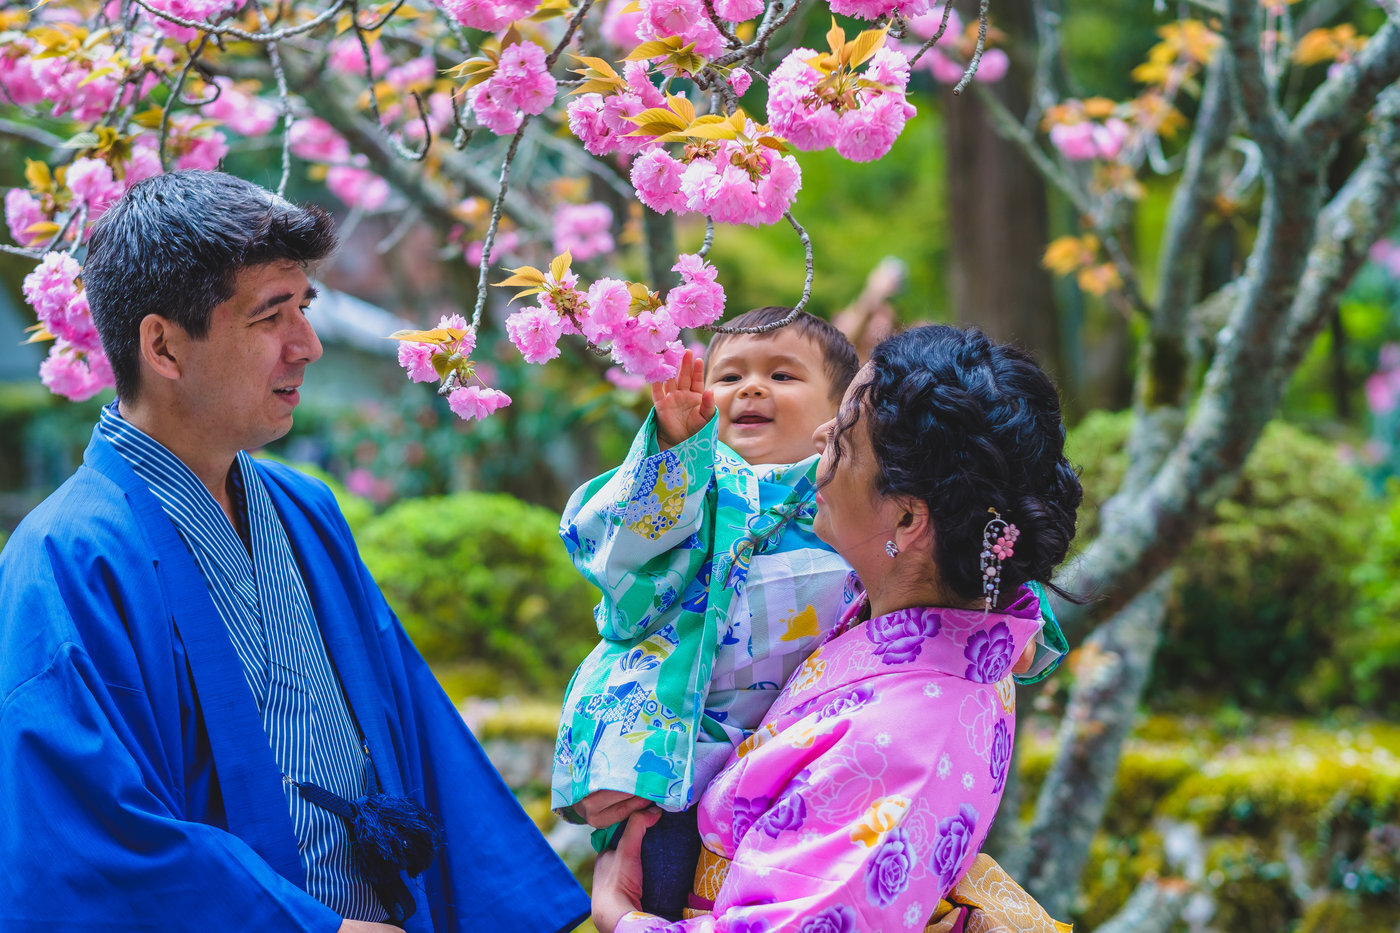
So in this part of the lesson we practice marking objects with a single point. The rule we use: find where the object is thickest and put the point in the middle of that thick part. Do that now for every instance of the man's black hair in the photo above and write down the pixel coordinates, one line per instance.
(173, 245)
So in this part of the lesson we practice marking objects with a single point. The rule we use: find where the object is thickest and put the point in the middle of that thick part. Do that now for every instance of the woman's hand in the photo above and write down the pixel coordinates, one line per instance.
(683, 404)
(602, 808)
(617, 875)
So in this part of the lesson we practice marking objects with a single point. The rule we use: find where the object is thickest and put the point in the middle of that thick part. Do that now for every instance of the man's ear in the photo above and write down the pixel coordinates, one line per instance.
(162, 342)
(914, 530)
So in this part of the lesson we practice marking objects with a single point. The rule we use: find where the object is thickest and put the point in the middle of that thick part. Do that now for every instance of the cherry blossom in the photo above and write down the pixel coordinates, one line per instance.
(476, 402)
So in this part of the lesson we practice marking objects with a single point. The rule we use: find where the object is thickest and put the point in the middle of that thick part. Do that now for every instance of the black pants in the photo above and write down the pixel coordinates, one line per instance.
(670, 852)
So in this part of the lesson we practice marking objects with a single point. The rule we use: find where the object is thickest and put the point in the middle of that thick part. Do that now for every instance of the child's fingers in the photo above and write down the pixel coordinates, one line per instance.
(697, 373)
(684, 372)
(630, 845)
(707, 405)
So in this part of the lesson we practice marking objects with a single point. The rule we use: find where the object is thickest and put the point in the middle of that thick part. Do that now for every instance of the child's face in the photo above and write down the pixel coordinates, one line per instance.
(771, 392)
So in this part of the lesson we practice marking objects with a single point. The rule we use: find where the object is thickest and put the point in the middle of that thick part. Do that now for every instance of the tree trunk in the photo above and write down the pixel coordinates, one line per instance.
(997, 206)
(1112, 670)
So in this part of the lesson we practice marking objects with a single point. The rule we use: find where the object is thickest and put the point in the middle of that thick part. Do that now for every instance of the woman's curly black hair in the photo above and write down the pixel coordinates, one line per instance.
(963, 425)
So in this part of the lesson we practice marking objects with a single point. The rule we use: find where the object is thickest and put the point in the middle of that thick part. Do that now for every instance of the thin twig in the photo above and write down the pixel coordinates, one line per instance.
(497, 206)
(30, 133)
(977, 52)
(933, 39)
(20, 251)
(797, 308)
(275, 36)
(568, 36)
(730, 38)
(406, 222)
(709, 238)
(274, 58)
(164, 133)
(394, 143)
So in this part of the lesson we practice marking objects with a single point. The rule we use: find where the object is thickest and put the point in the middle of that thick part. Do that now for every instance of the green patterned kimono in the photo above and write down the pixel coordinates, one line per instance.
(714, 589)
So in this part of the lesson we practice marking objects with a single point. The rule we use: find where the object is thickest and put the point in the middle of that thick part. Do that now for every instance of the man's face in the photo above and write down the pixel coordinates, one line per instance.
(240, 380)
(771, 392)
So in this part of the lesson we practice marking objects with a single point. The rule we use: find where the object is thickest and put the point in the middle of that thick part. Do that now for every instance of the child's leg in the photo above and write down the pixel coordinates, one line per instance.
(670, 852)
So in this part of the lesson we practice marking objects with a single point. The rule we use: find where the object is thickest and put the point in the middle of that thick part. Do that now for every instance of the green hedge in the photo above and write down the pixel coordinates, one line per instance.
(484, 578)
(1266, 587)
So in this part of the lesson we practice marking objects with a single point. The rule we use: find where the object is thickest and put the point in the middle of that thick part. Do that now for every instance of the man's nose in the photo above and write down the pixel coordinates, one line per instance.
(305, 346)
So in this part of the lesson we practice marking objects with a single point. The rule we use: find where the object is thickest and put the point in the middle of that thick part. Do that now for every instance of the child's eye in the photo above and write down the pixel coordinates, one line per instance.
(783, 377)
(728, 377)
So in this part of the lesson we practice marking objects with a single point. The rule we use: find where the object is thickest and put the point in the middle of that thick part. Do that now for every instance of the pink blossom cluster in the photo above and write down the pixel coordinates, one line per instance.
(197, 11)
(879, 9)
(601, 123)
(686, 19)
(946, 60)
(348, 58)
(644, 342)
(315, 140)
(71, 86)
(519, 85)
(860, 114)
(619, 24)
(1089, 139)
(76, 367)
(466, 401)
(583, 230)
(194, 145)
(22, 211)
(93, 185)
(489, 15)
(357, 187)
(244, 113)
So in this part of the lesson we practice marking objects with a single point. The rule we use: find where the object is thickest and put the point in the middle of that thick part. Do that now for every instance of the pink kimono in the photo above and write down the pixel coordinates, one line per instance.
(870, 786)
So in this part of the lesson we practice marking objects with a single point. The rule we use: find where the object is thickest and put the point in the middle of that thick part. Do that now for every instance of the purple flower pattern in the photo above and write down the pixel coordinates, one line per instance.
(788, 813)
(990, 652)
(953, 842)
(746, 811)
(887, 872)
(1001, 755)
(838, 919)
(899, 636)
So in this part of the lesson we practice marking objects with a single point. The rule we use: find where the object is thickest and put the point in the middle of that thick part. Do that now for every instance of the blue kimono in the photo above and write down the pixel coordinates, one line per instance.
(137, 787)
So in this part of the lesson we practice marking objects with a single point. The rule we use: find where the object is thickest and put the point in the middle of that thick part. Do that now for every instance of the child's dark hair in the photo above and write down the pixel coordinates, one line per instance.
(837, 352)
(172, 246)
(964, 425)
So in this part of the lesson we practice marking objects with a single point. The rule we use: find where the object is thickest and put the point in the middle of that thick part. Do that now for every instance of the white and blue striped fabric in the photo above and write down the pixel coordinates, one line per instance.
(265, 606)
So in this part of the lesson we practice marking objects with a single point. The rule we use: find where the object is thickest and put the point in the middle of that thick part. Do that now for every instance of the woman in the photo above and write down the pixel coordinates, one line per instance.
(868, 790)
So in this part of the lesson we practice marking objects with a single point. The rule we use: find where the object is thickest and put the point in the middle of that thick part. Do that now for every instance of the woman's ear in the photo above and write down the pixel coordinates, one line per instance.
(914, 529)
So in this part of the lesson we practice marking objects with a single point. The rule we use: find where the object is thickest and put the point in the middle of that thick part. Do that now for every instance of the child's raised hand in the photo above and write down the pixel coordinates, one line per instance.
(683, 404)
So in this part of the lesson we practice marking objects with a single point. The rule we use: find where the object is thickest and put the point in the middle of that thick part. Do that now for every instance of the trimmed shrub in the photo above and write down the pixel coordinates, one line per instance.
(484, 578)
(1265, 587)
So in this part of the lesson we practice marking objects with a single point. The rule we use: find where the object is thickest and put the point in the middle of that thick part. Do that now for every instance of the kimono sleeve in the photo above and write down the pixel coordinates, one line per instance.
(86, 843)
(638, 533)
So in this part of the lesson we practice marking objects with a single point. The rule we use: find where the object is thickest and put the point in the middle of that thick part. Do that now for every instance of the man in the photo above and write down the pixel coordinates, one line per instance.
(196, 671)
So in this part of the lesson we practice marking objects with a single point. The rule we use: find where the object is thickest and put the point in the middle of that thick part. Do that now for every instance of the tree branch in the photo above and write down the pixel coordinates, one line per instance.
(1267, 123)
(1359, 215)
(1344, 98)
(1111, 671)
(1154, 907)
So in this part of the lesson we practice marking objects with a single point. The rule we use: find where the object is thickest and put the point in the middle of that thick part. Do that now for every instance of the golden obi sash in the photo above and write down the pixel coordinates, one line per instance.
(986, 900)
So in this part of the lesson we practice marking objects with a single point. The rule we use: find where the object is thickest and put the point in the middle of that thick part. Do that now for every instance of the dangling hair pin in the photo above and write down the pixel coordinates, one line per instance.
(998, 540)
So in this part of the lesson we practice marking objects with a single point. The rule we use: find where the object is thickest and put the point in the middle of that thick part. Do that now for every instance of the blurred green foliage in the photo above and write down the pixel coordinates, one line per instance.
(1366, 663)
(856, 214)
(483, 578)
(1286, 816)
(1265, 588)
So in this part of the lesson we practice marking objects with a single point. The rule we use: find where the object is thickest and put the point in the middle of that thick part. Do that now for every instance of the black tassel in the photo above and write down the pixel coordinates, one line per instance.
(390, 834)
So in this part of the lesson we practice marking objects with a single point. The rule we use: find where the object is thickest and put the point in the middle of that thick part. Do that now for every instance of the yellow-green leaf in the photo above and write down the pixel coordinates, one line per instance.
(436, 335)
(37, 334)
(600, 65)
(865, 45)
(835, 37)
(773, 142)
(38, 175)
(46, 229)
(682, 107)
(653, 49)
(721, 130)
(559, 267)
(659, 115)
(524, 275)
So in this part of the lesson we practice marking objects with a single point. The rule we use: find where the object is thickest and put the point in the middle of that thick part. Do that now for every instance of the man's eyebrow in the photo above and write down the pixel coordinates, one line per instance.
(310, 295)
